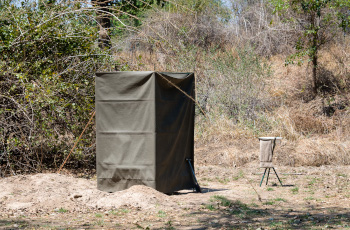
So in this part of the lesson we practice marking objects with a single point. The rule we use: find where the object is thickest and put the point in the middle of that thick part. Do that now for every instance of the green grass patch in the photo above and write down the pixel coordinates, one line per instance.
(236, 208)
(62, 210)
(295, 190)
(280, 199)
(169, 225)
(254, 205)
(119, 212)
(270, 202)
(210, 207)
(207, 179)
(99, 223)
(243, 211)
(161, 214)
(239, 175)
(270, 189)
(223, 181)
(113, 212)
(124, 210)
(313, 181)
(222, 200)
(276, 225)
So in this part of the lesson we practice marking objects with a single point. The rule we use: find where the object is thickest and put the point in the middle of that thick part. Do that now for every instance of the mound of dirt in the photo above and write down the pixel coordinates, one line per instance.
(54, 192)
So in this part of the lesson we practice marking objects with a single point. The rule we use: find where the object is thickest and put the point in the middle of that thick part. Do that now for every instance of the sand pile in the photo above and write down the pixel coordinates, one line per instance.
(52, 192)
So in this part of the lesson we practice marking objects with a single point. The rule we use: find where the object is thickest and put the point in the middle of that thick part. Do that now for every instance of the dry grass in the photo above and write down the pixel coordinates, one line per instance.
(218, 130)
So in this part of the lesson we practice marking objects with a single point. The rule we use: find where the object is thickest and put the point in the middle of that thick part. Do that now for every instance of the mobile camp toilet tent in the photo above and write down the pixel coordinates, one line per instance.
(144, 130)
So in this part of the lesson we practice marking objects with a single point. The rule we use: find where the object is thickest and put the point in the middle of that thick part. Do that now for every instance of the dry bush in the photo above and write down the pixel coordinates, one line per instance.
(256, 23)
(229, 79)
(336, 58)
(169, 31)
(341, 123)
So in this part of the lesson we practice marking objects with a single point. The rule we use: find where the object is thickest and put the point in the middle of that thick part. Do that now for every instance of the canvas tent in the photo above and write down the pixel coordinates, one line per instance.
(144, 130)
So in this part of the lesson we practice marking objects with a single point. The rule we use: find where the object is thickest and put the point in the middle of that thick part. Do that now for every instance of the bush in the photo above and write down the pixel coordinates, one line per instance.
(230, 78)
(48, 57)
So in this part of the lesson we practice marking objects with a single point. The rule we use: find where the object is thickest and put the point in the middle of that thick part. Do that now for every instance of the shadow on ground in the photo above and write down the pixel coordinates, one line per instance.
(223, 213)
(12, 224)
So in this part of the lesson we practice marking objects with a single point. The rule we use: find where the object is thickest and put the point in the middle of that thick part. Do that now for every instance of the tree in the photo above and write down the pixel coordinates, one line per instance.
(319, 21)
(125, 9)
(104, 23)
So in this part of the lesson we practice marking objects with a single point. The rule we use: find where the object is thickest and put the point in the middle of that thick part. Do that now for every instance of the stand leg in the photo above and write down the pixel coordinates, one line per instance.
(263, 177)
(268, 174)
(277, 176)
(196, 185)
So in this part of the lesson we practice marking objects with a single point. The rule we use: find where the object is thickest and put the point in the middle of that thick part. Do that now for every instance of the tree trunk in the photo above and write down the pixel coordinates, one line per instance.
(104, 21)
(314, 72)
(314, 51)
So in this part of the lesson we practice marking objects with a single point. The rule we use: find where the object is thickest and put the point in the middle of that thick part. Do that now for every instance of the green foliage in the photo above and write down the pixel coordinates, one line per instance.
(209, 8)
(319, 20)
(131, 13)
(48, 56)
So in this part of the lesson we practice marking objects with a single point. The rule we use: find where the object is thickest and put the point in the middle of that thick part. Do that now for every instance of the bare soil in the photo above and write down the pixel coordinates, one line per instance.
(311, 198)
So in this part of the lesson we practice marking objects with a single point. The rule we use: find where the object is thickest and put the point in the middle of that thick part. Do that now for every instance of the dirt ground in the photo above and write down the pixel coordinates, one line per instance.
(311, 198)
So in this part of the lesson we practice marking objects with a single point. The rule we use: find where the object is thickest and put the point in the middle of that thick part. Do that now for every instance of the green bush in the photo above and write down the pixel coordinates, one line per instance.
(48, 57)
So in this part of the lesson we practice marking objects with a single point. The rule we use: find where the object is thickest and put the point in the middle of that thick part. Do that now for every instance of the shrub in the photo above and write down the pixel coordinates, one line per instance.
(48, 56)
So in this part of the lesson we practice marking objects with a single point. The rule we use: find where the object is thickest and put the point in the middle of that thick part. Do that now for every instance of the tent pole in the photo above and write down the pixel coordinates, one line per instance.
(196, 185)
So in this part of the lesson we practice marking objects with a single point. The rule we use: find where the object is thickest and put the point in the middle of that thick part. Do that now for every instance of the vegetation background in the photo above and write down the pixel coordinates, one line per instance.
(263, 68)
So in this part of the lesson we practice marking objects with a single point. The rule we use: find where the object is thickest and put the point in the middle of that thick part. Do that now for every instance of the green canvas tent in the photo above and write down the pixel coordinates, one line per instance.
(145, 130)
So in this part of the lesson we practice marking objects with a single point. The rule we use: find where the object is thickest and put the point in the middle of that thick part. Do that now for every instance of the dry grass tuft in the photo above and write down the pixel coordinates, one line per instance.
(218, 130)
(309, 125)
(315, 152)
(235, 153)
